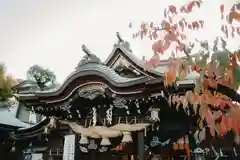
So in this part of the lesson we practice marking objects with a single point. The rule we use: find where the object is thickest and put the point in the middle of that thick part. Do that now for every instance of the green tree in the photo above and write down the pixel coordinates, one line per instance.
(45, 78)
(6, 83)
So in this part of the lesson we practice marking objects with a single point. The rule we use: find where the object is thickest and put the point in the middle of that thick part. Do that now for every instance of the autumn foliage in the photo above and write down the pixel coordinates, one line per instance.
(213, 99)
(6, 83)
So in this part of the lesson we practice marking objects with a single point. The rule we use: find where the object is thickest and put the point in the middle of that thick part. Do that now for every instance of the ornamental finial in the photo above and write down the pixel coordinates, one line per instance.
(119, 37)
(86, 50)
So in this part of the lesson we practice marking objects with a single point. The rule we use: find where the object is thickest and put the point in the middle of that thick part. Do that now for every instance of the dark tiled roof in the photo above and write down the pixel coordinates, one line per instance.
(91, 68)
(108, 71)
(25, 84)
(98, 69)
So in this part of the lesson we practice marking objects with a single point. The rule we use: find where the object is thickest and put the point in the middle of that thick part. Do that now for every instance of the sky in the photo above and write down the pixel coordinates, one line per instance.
(50, 32)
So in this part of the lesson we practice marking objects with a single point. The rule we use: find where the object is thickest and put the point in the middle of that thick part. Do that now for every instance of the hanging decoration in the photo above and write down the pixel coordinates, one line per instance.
(52, 123)
(105, 142)
(154, 114)
(94, 116)
(92, 145)
(32, 116)
(127, 138)
(109, 115)
(83, 140)
(83, 149)
(103, 149)
(156, 142)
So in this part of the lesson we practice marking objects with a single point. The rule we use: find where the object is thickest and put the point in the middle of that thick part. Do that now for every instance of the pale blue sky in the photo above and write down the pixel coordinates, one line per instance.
(51, 32)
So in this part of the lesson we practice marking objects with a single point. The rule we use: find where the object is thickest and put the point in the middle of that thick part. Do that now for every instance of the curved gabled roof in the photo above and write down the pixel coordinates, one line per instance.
(93, 69)
(90, 69)
(132, 59)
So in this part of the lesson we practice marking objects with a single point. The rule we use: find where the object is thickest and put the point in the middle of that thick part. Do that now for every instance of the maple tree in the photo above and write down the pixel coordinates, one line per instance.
(214, 98)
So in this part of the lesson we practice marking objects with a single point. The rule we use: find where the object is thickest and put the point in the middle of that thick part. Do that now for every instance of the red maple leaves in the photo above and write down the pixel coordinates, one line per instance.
(174, 32)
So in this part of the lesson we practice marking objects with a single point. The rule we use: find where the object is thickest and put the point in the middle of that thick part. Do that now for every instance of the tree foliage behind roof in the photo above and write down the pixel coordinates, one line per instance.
(6, 83)
(45, 78)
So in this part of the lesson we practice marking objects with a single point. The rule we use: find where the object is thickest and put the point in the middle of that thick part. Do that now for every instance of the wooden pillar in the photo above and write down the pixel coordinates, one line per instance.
(140, 142)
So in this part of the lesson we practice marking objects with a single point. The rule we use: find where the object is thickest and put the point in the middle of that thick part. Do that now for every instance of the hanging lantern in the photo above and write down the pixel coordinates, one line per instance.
(127, 138)
(83, 140)
(52, 122)
(105, 142)
(154, 114)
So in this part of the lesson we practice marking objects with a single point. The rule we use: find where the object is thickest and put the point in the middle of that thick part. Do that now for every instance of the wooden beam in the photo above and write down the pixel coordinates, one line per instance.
(140, 150)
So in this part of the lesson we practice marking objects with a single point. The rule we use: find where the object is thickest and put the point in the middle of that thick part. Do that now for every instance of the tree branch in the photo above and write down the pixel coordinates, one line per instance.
(231, 93)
